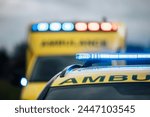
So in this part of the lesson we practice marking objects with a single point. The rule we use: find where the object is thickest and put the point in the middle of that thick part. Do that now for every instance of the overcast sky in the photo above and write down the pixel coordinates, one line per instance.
(16, 15)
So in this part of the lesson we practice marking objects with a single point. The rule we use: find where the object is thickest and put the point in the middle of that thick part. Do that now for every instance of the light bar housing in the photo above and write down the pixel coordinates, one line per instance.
(78, 26)
(112, 56)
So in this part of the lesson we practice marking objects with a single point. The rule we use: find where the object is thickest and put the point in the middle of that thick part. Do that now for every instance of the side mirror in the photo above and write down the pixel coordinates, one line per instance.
(24, 81)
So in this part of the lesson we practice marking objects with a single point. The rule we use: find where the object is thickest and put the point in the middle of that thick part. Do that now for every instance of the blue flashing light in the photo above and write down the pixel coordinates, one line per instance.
(42, 26)
(55, 26)
(34, 27)
(115, 56)
(67, 26)
(23, 82)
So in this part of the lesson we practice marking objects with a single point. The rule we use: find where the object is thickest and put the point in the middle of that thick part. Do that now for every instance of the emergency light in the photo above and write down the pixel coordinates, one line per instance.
(34, 27)
(106, 26)
(42, 26)
(79, 26)
(55, 26)
(112, 56)
(93, 26)
(23, 81)
(114, 27)
(67, 26)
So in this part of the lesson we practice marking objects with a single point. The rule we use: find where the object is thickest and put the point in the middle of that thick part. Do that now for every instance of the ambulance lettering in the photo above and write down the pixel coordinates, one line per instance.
(70, 80)
(118, 78)
(135, 77)
(103, 79)
(90, 79)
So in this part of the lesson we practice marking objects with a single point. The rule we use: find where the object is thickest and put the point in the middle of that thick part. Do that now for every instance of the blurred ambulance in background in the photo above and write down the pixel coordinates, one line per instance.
(52, 46)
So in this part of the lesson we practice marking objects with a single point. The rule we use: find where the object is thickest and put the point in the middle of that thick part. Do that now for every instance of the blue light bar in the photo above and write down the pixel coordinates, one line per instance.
(67, 26)
(42, 26)
(114, 56)
(55, 26)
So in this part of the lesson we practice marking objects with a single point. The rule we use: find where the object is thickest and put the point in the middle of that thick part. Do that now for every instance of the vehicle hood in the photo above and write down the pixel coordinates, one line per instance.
(97, 75)
(110, 70)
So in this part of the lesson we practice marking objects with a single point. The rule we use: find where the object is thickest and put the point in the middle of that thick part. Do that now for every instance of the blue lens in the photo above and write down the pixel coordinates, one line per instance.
(67, 26)
(34, 27)
(81, 56)
(55, 26)
(115, 56)
(42, 26)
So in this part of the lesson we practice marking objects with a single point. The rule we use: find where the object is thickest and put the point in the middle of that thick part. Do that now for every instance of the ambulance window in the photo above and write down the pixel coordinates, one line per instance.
(46, 67)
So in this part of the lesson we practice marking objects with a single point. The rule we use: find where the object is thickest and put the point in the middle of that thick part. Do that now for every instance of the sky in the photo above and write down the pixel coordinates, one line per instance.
(17, 15)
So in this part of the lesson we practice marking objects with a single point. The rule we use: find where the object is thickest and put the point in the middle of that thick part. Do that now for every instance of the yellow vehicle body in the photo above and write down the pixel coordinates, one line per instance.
(32, 90)
(42, 44)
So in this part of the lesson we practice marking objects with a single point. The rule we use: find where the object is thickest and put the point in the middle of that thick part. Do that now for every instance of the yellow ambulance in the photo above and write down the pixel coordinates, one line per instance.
(51, 47)
(91, 81)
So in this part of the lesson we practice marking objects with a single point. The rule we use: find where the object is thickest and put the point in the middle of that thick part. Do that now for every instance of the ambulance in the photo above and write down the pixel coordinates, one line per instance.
(51, 47)
(91, 81)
